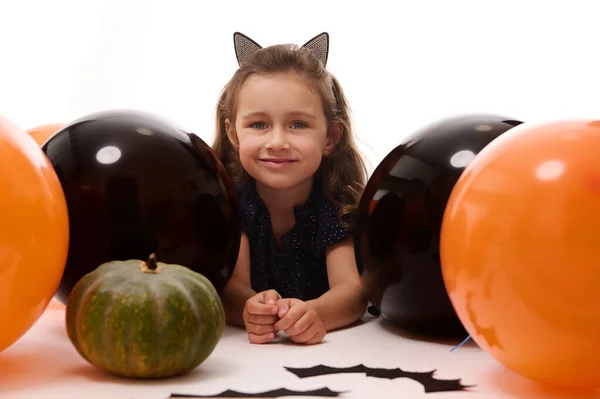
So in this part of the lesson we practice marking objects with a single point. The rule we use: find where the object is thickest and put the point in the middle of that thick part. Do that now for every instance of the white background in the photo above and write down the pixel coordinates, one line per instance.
(403, 64)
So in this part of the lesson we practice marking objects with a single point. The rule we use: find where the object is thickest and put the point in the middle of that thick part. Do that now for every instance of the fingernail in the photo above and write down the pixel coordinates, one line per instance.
(274, 310)
(270, 302)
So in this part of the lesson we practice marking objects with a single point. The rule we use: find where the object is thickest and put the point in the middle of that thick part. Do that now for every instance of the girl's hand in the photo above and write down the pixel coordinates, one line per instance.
(260, 315)
(300, 321)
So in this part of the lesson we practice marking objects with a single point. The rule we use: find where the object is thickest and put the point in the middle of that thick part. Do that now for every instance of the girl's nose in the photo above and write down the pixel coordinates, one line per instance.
(277, 140)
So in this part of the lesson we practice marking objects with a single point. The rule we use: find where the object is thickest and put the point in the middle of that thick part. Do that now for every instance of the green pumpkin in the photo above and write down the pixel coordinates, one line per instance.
(144, 319)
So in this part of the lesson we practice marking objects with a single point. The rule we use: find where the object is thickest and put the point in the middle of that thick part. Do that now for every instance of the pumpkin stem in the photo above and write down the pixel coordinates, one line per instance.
(152, 262)
(150, 266)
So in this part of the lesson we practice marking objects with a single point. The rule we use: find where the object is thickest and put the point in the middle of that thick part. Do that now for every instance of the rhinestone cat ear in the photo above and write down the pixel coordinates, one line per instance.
(244, 46)
(319, 46)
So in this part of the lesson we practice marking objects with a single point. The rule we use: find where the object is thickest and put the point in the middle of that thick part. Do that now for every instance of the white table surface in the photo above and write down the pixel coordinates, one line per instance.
(44, 364)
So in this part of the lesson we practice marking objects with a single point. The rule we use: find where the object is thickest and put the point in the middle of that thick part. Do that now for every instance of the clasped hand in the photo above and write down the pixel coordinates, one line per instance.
(267, 313)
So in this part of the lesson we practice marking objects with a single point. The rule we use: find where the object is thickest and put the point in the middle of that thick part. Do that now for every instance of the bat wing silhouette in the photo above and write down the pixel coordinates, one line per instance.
(429, 382)
(276, 393)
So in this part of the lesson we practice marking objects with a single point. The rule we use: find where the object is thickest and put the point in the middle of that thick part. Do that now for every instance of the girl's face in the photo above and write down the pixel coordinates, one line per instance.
(281, 129)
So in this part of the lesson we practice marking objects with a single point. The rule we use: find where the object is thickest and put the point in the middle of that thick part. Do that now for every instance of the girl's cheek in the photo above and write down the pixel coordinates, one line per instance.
(251, 144)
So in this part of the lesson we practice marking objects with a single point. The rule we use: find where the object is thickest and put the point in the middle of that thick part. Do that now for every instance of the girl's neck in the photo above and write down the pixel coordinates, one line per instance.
(284, 199)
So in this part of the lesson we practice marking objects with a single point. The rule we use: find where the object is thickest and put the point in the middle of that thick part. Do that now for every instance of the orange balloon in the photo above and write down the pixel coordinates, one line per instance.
(34, 238)
(520, 251)
(44, 132)
(41, 134)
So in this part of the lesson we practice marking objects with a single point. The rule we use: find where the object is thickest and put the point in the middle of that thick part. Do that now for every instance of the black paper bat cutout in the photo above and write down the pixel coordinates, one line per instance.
(276, 393)
(426, 379)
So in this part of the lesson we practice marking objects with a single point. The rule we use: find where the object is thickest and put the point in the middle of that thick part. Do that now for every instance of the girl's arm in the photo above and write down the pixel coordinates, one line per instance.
(345, 302)
(238, 289)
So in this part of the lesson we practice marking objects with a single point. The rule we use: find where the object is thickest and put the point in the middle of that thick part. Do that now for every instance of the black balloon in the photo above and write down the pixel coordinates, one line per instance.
(397, 231)
(136, 184)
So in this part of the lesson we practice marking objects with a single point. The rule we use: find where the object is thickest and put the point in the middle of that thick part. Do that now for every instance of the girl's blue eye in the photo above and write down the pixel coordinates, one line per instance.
(299, 125)
(259, 125)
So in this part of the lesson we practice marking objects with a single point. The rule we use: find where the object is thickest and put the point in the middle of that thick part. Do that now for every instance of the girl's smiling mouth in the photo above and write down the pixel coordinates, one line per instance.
(277, 162)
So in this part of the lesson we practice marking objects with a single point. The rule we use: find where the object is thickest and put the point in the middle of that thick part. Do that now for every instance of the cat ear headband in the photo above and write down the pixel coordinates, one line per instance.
(244, 46)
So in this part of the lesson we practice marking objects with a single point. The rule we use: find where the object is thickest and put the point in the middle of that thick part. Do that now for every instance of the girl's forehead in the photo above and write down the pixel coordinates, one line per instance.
(278, 91)
(279, 78)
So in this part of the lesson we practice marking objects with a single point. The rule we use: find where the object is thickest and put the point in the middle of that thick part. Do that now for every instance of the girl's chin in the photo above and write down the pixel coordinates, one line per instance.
(281, 182)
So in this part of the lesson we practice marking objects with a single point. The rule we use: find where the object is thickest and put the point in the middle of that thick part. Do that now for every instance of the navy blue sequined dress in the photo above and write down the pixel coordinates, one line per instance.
(299, 271)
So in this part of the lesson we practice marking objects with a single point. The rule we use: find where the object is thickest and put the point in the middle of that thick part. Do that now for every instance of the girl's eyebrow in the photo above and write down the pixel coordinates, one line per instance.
(260, 114)
(303, 114)
(254, 114)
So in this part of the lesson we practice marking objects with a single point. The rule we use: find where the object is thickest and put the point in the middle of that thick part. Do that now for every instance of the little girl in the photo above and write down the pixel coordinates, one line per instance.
(284, 134)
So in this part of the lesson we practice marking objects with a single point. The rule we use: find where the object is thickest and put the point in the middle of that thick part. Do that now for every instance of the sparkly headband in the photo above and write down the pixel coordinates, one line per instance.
(244, 46)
